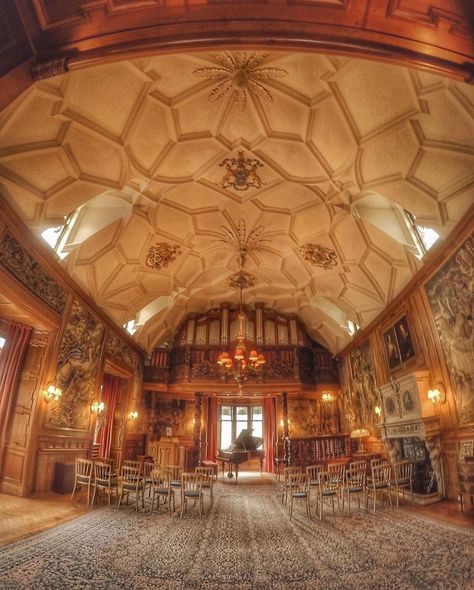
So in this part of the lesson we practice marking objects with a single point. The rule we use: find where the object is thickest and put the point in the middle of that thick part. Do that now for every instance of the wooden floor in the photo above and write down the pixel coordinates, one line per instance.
(22, 517)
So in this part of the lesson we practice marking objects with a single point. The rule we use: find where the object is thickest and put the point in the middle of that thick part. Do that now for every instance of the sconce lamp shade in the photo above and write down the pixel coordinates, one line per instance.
(97, 407)
(52, 393)
(133, 415)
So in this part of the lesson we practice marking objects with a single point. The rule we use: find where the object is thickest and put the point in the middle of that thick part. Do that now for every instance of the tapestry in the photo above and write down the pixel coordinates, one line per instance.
(76, 374)
(348, 416)
(26, 270)
(451, 295)
(169, 417)
(304, 417)
(364, 389)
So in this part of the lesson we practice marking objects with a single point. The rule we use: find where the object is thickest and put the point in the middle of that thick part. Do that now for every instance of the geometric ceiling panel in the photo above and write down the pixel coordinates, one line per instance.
(134, 152)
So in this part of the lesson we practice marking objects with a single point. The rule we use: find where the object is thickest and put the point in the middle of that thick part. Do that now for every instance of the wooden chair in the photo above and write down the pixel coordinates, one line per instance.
(207, 481)
(134, 464)
(299, 487)
(329, 484)
(313, 471)
(191, 488)
(104, 480)
(284, 485)
(403, 479)
(354, 485)
(379, 482)
(377, 462)
(358, 465)
(147, 478)
(107, 460)
(161, 488)
(83, 476)
(338, 469)
(131, 482)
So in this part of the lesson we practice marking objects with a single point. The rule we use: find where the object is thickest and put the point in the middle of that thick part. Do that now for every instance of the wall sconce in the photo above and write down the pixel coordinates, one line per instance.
(378, 410)
(327, 396)
(438, 394)
(97, 407)
(132, 415)
(52, 393)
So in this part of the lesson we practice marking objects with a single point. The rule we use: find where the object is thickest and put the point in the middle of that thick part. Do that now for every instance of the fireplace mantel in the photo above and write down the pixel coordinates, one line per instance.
(409, 414)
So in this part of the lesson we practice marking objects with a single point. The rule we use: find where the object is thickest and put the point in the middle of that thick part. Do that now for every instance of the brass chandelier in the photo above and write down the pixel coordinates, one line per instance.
(241, 364)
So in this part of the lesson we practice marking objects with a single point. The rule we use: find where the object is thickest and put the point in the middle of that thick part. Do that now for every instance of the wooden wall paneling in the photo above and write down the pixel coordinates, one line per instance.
(17, 447)
(52, 449)
(15, 47)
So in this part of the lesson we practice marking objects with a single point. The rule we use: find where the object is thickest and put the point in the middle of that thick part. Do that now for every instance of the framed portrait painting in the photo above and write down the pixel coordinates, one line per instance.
(391, 348)
(404, 339)
(398, 343)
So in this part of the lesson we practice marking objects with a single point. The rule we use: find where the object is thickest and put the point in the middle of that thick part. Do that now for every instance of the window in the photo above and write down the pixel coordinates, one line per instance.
(425, 237)
(234, 419)
(131, 327)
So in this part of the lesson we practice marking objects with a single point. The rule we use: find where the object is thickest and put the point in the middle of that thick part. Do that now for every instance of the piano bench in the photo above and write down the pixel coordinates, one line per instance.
(212, 464)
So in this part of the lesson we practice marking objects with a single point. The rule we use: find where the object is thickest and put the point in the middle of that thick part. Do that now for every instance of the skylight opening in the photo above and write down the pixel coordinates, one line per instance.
(352, 327)
(131, 327)
(52, 235)
(428, 236)
(425, 237)
(2, 342)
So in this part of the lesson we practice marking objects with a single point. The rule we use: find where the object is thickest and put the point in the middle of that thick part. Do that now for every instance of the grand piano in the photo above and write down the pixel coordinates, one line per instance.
(245, 448)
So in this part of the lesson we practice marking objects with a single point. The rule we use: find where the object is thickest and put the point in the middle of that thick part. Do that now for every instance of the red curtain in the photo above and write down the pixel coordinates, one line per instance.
(110, 392)
(269, 426)
(11, 363)
(212, 429)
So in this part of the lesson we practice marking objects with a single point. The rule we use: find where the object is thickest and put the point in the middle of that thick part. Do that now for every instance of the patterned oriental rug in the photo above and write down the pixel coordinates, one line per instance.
(246, 542)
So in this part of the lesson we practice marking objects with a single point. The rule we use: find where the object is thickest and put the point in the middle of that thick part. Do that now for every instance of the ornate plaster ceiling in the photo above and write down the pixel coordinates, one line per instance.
(344, 144)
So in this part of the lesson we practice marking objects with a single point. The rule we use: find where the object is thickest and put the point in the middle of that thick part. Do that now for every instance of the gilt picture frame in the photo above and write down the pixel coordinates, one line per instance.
(399, 344)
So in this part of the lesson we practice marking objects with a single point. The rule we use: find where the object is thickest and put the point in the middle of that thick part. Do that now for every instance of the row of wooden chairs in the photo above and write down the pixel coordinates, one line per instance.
(338, 484)
(161, 482)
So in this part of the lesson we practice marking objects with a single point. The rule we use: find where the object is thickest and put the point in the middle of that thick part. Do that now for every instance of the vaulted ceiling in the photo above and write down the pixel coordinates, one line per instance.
(345, 146)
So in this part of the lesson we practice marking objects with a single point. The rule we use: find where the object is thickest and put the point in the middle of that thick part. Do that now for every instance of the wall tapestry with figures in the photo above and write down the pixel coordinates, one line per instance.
(77, 370)
(451, 295)
(348, 412)
(304, 417)
(364, 392)
(168, 417)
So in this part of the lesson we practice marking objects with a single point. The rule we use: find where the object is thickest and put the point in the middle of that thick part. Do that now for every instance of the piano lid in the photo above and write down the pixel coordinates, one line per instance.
(246, 441)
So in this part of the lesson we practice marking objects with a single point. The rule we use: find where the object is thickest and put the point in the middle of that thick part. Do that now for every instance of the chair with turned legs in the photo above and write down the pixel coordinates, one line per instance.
(105, 481)
(161, 489)
(131, 483)
(84, 471)
(328, 489)
(191, 489)
(299, 489)
(403, 479)
(378, 483)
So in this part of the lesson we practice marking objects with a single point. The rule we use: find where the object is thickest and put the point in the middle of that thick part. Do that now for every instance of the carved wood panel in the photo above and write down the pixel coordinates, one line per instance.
(14, 46)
